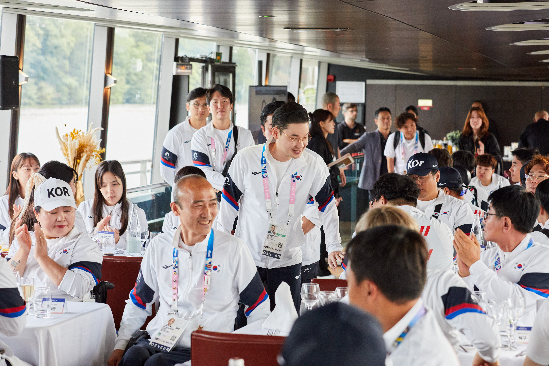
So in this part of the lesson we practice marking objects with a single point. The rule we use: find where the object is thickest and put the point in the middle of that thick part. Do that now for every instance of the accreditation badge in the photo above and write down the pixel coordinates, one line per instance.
(166, 338)
(275, 241)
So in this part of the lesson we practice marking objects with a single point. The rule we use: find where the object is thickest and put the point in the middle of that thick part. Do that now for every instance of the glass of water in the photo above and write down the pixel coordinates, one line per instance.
(107, 239)
(310, 294)
(42, 302)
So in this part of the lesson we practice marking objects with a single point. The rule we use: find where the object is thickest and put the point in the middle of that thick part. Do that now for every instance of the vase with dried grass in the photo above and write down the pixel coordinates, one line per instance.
(81, 151)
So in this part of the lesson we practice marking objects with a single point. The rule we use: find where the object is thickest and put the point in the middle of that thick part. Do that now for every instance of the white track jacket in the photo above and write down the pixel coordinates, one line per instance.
(234, 278)
(243, 195)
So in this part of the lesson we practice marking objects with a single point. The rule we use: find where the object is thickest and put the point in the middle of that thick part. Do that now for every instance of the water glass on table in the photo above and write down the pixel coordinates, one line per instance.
(497, 311)
(42, 302)
(310, 294)
(341, 292)
(515, 307)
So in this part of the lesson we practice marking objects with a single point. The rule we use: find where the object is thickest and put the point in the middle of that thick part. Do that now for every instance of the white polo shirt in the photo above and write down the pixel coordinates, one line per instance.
(449, 210)
(497, 181)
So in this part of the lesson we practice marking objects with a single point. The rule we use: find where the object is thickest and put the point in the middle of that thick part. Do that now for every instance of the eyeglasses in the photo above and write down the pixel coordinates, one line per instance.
(487, 214)
(200, 105)
(303, 140)
(538, 177)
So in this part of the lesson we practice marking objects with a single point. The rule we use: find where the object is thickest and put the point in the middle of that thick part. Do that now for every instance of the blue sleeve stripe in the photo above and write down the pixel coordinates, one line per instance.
(469, 308)
(167, 164)
(230, 200)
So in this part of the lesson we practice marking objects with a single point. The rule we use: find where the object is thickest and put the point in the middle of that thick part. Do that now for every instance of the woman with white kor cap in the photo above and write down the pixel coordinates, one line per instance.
(56, 254)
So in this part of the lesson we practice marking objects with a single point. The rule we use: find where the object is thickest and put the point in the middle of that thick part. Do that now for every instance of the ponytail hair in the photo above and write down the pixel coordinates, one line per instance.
(315, 130)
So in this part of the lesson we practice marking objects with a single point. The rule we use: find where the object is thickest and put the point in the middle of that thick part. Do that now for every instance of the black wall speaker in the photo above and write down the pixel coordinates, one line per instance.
(9, 82)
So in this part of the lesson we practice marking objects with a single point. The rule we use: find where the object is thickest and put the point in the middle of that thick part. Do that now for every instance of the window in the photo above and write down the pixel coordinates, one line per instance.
(132, 111)
(58, 61)
(279, 69)
(244, 58)
(196, 48)
(307, 96)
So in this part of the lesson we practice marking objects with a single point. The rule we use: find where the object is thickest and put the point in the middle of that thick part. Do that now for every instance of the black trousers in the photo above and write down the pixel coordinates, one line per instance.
(142, 354)
(272, 278)
(309, 272)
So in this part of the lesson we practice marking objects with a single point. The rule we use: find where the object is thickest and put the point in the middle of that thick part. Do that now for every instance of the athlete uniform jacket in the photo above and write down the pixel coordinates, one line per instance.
(497, 181)
(456, 213)
(243, 195)
(170, 223)
(455, 310)
(234, 278)
(176, 150)
(75, 251)
(13, 315)
(210, 160)
(311, 250)
(477, 197)
(540, 233)
(522, 272)
(87, 212)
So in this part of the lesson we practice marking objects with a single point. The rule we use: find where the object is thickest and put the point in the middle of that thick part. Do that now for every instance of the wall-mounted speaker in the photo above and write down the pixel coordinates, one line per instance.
(9, 82)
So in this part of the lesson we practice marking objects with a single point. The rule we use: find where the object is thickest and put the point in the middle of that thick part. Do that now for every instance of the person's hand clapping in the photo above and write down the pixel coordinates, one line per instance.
(468, 251)
(23, 237)
(115, 231)
(481, 149)
(104, 222)
(41, 247)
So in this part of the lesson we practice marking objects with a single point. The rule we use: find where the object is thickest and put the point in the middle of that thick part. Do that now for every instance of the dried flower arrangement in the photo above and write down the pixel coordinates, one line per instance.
(81, 151)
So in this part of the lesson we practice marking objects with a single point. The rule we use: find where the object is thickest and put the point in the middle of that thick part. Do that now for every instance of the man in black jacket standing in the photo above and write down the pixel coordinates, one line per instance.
(536, 134)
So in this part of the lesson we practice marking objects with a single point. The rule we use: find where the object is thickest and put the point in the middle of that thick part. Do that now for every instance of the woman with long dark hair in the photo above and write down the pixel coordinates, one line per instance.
(322, 123)
(475, 136)
(22, 167)
(110, 210)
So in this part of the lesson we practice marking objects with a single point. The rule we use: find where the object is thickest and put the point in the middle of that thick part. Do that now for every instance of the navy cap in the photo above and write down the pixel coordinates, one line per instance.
(450, 178)
(421, 164)
(334, 334)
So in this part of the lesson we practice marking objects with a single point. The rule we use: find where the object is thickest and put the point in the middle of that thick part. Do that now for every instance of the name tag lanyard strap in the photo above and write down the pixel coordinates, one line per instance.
(267, 195)
(498, 263)
(207, 274)
(213, 146)
(403, 334)
(402, 140)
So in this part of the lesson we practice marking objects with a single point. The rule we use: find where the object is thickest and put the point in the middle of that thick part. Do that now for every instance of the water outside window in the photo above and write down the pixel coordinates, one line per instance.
(132, 111)
(57, 59)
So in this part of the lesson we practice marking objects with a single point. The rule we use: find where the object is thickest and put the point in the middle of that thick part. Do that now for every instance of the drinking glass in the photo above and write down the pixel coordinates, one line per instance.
(42, 302)
(497, 310)
(516, 306)
(310, 294)
(480, 298)
(27, 291)
(341, 292)
(108, 243)
(326, 297)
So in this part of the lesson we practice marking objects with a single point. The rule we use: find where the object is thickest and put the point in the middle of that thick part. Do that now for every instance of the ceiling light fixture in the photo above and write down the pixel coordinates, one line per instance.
(523, 26)
(532, 42)
(543, 52)
(266, 16)
(317, 29)
(486, 5)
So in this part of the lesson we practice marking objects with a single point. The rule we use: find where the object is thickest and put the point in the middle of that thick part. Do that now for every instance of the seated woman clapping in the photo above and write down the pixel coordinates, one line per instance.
(109, 210)
(56, 254)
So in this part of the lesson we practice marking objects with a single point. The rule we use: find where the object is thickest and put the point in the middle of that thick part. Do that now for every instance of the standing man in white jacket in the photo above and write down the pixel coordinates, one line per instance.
(198, 275)
(176, 148)
(268, 187)
(214, 145)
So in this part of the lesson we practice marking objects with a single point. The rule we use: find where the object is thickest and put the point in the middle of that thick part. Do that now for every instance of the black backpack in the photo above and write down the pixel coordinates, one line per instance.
(397, 138)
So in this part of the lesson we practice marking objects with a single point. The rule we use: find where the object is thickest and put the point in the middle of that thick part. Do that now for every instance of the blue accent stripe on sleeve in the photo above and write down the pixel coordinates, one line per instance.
(168, 158)
(535, 282)
(141, 294)
(457, 301)
(200, 159)
(12, 304)
(92, 268)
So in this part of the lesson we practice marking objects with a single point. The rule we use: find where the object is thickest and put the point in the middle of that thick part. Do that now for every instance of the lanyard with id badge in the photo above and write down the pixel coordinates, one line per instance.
(166, 338)
(275, 241)
(213, 147)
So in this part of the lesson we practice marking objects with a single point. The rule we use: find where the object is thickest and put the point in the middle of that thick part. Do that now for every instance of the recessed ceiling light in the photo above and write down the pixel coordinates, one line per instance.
(317, 29)
(543, 52)
(510, 5)
(541, 25)
(266, 16)
(532, 42)
(544, 60)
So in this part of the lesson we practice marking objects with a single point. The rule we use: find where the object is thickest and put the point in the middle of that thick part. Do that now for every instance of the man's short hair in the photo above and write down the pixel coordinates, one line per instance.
(514, 202)
(486, 160)
(443, 157)
(311, 341)
(385, 215)
(329, 98)
(524, 154)
(347, 106)
(403, 118)
(196, 93)
(393, 257)
(411, 108)
(464, 159)
(381, 109)
(176, 193)
(188, 170)
(542, 194)
(290, 97)
(537, 160)
(289, 113)
(396, 187)
(222, 89)
(270, 109)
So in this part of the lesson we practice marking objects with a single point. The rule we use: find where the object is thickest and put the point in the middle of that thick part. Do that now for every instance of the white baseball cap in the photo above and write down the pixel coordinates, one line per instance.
(53, 193)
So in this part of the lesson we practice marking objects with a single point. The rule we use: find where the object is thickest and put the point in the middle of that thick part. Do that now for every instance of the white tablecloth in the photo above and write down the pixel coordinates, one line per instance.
(84, 335)
(507, 358)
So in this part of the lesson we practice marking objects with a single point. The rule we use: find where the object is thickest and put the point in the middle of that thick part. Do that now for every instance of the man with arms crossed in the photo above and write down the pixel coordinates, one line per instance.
(268, 187)
(198, 275)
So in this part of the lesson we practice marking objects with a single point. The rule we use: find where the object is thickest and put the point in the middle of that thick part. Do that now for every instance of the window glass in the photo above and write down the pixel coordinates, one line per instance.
(57, 60)
(307, 96)
(244, 58)
(279, 69)
(132, 110)
(196, 48)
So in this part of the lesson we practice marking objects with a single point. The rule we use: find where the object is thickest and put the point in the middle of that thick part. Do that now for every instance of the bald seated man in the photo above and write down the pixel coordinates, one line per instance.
(212, 272)
(535, 135)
